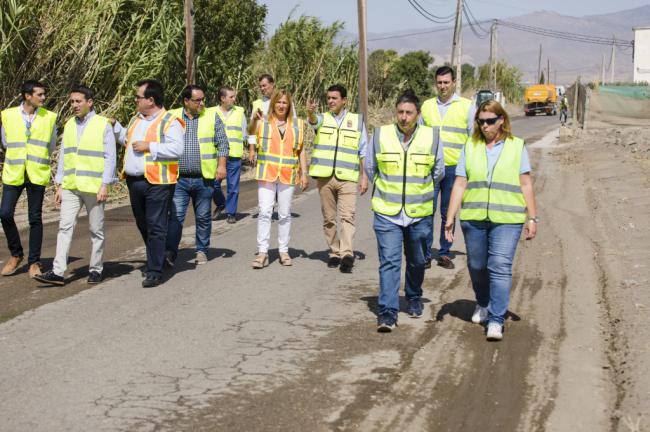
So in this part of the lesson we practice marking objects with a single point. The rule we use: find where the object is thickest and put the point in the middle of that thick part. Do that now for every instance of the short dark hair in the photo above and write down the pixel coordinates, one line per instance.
(187, 91)
(86, 91)
(338, 88)
(28, 87)
(444, 70)
(409, 97)
(267, 77)
(154, 89)
(223, 90)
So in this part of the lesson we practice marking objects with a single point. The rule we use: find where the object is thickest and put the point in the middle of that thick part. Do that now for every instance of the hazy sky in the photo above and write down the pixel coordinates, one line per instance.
(395, 15)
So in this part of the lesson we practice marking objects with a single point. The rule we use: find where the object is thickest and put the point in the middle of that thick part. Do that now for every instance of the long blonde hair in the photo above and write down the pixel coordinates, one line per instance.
(495, 108)
(277, 95)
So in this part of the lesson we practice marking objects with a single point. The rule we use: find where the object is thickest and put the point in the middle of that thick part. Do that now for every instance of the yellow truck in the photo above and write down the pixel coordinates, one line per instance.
(540, 98)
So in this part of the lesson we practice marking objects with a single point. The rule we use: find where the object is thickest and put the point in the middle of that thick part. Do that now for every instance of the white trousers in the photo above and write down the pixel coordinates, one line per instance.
(266, 193)
(71, 202)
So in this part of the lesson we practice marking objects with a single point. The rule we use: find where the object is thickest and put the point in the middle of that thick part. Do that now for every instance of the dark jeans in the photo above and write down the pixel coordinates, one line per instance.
(150, 204)
(233, 169)
(392, 239)
(199, 190)
(444, 190)
(10, 195)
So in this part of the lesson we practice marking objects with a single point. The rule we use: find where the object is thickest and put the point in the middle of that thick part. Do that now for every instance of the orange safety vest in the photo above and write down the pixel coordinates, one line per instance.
(277, 157)
(161, 170)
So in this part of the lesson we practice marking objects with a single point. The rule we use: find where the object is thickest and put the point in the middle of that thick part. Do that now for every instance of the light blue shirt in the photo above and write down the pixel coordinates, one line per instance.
(28, 119)
(402, 219)
(492, 158)
(171, 149)
(109, 151)
(363, 143)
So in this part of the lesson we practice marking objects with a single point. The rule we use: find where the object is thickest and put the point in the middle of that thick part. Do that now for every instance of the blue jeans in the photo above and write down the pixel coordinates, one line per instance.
(233, 170)
(390, 238)
(444, 189)
(200, 190)
(491, 250)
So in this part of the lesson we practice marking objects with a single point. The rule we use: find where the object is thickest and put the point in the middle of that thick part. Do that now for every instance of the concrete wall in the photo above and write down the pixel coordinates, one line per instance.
(642, 54)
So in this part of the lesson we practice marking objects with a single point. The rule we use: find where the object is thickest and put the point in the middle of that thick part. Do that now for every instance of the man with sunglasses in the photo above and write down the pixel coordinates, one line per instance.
(454, 116)
(29, 137)
(203, 161)
(154, 144)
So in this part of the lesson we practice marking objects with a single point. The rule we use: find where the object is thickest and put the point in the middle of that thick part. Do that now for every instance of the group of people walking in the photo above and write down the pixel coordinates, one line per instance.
(443, 147)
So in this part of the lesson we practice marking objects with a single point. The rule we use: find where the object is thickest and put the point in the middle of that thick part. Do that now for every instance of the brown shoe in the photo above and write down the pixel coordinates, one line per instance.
(12, 265)
(35, 270)
(285, 259)
(446, 262)
(261, 261)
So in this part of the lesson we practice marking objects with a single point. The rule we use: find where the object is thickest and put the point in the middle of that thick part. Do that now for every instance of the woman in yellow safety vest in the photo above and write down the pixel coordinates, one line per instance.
(494, 191)
(281, 164)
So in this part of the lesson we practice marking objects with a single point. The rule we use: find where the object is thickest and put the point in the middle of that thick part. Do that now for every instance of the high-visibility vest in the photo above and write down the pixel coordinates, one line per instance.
(500, 200)
(83, 163)
(205, 135)
(234, 131)
(25, 152)
(161, 170)
(336, 149)
(277, 158)
(258, 104)
(404, 179)
(453, 127)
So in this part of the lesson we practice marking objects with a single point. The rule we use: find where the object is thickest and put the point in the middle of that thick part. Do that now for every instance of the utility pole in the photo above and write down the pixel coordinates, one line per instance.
(602, 71)
(574, 109)
(493, 52)
(190, 64)
(459, 67)
(457, 30)
(548, 70)
(539, 66)
(555, 76)
(612, 63)
(363, 60)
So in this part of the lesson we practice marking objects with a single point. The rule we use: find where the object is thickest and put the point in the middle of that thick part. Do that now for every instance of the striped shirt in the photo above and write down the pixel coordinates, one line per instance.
(190, 161)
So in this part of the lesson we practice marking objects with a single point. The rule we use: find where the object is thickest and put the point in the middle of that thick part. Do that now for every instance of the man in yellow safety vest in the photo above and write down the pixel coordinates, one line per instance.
(86, 168)
(234, 118)
(29, 137)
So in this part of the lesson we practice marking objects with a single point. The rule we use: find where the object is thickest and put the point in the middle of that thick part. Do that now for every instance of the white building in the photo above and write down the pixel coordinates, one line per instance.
(642, 54)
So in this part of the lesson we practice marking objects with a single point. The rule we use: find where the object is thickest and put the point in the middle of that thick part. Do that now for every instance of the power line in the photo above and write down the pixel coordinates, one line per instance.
(476, 21)
(576, 37)
(428, 15)
(436, 30)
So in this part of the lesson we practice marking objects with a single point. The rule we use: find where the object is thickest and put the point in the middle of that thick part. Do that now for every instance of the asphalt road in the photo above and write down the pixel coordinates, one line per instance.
(117, 357)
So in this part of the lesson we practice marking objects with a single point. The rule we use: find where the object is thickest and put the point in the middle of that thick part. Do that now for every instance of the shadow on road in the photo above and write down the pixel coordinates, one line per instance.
(463, 310)
(371, 302)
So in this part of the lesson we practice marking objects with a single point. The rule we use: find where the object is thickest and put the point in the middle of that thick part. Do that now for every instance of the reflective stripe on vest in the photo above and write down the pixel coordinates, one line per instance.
(27, 153)
(404, 179)
(336, 149)
(500, 200)
(233, 124)
(161, 170)
(205, 135)
(278, 157)
(83, 157)
(453, 127)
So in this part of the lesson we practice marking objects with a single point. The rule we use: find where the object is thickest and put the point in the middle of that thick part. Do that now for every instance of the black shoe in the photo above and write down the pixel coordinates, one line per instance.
(231, 219)
(151, 281)
(347, 262)
(50, 278)
(427, 264)
(94, 277)
(386, 323)
(415, 307)
(445, 262)
(333, 262)
(216, 213)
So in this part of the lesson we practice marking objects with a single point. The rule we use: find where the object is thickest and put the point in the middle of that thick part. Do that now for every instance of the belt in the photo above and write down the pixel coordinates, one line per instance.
(183, 175)
(135, 178)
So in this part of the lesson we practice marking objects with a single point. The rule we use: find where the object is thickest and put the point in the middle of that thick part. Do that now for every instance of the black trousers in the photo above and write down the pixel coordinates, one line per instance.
(150, 204)
(10, 195)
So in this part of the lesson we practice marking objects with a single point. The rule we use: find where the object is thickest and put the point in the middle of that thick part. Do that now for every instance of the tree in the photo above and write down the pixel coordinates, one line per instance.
(381, 77)
(412, 72)
(508, 80)
(467, 76)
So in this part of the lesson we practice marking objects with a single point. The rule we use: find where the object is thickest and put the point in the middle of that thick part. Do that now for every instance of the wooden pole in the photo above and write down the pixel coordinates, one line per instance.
(459, 67)
(457, 30)
(539, 66)
(612, 61)
(574, 111)
(190, 65)
(548, 70)
(492, 49)
(602, 70)
(363, 60)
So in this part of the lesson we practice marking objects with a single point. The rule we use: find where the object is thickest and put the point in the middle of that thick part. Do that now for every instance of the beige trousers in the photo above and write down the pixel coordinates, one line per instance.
(337, 196)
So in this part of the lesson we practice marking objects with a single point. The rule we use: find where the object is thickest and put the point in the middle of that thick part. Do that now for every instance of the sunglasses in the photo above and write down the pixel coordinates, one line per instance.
(489, 121)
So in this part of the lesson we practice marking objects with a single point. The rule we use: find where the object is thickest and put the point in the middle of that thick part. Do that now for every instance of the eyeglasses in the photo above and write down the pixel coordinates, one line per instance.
(198, 101)
(489, 121)
(138, 97)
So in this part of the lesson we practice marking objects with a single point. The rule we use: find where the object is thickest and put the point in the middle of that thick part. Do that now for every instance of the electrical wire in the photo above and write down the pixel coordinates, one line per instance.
(576, 37)
(473, 27)
(429, 16)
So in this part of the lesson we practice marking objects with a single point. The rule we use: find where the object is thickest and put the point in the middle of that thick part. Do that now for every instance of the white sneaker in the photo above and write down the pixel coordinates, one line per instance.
(480, 315)
(494, 331)
(201, 258)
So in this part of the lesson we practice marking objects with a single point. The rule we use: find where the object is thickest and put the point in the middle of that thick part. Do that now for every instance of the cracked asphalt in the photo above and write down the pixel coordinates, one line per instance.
(224, 347)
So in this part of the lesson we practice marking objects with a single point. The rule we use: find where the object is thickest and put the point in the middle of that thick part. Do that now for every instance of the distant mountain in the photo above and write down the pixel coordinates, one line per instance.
(567, 58)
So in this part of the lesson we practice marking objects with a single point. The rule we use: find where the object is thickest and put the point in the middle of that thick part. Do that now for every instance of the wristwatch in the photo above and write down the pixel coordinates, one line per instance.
(534, 219)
